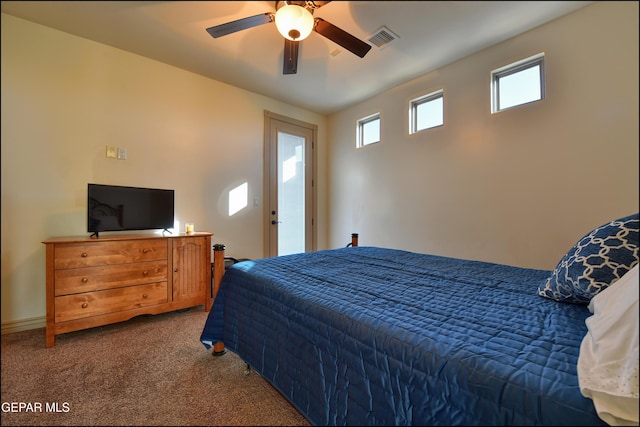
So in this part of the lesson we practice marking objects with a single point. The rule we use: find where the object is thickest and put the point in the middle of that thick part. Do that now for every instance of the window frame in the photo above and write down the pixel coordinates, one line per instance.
(421, 100)
(511, 69)
(360, 124)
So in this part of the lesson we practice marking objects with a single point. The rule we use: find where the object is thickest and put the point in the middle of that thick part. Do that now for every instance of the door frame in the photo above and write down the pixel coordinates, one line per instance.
(267, 171)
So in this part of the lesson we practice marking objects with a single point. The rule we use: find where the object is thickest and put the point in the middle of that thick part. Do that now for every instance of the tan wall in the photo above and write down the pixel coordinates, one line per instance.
(64, 99)
(519, 187)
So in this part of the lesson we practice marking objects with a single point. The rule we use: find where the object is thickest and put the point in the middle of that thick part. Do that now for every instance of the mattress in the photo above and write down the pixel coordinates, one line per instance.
(378, 336)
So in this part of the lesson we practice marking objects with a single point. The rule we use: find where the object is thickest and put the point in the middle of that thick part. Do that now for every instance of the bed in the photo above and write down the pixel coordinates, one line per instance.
(365, 335)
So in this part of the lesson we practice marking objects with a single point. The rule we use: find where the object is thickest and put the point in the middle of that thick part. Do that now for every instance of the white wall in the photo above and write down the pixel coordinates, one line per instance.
(519, 187)
(64, 99)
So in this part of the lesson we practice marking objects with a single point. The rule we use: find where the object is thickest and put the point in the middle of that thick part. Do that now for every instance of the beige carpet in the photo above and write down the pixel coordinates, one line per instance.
(151, 370)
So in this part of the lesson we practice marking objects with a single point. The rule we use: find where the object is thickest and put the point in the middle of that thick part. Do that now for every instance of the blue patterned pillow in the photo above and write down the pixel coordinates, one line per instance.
(598, 259)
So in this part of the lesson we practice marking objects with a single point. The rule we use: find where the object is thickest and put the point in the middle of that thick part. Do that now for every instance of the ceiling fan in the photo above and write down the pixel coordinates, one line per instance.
(295, 21)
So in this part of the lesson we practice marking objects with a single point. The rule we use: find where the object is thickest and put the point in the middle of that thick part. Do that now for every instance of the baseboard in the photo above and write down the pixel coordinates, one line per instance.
(23, 325)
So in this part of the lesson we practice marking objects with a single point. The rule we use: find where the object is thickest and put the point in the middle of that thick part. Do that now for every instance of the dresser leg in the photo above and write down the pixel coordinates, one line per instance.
(51, 338)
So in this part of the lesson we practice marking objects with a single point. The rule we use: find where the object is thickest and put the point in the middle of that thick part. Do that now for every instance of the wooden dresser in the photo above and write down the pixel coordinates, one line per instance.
(97, 281)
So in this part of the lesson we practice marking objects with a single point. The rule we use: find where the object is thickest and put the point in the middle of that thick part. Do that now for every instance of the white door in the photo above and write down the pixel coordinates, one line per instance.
(290, 193)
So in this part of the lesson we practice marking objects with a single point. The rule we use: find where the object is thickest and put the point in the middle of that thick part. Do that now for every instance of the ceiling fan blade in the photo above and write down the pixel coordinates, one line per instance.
(290, 64)
(240, 24)
(341, 37)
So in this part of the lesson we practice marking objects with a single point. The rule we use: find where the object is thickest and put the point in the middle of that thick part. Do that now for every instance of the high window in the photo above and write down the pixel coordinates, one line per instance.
(516, 84)
(368, 130)
(426, 112)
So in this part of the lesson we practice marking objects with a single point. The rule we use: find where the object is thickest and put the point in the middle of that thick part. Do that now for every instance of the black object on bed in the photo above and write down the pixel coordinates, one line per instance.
(376, 336)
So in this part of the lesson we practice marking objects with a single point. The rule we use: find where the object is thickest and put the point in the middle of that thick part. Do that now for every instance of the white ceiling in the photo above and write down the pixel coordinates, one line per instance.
(430, 34)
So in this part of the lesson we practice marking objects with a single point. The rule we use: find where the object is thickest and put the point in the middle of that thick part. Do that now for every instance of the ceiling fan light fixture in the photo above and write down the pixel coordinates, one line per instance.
(294, 22)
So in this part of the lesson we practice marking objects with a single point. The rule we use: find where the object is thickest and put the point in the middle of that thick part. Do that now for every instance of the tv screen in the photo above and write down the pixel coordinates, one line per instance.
(120, 208)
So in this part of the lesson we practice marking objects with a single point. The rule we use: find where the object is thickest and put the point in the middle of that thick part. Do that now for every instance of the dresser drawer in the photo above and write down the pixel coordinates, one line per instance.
(78, 306)
(98, 281)
(77, 280)
(90, 254)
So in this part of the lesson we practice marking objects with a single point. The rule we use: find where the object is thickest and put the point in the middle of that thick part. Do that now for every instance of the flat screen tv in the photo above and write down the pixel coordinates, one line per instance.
(120, 208)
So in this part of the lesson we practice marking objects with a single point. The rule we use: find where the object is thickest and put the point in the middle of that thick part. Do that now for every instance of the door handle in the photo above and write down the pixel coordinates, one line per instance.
(274, 222)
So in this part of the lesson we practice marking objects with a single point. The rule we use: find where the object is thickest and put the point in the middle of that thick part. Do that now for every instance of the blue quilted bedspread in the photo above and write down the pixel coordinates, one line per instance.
(374, 336)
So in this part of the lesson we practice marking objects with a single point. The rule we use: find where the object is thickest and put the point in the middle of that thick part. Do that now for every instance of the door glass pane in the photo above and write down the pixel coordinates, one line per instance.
(291, 214)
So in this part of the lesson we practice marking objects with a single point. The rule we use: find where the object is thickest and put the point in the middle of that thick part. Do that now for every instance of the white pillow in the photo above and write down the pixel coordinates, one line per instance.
(608, 360)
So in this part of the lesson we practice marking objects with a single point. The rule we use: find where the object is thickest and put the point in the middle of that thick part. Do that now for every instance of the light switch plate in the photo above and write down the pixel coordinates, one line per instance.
(111, 152)
(122, 153)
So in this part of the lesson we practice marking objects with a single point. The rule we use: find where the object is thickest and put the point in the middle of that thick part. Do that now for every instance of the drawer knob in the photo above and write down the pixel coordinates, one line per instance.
(85, 305)
(84, 255)
(145, 296)
(145, 250)
(145, 273)
(85, 280)
(175, 270)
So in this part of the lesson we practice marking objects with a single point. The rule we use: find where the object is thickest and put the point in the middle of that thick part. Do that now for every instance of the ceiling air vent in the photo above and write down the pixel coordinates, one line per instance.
(382, 37)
